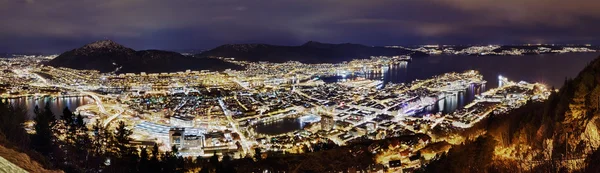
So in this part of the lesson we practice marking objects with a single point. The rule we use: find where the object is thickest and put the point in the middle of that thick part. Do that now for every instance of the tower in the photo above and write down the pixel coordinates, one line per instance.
(500, 78)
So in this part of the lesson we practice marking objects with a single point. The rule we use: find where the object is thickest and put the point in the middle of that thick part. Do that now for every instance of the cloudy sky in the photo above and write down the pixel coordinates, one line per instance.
(59, 25)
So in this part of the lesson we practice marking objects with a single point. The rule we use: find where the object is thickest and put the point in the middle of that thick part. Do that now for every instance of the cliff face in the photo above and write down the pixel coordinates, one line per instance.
(591, 133)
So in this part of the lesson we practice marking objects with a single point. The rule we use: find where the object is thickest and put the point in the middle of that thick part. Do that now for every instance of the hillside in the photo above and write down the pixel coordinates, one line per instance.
(13, 161)
(310, 52)
(108, 56)
(558, 135)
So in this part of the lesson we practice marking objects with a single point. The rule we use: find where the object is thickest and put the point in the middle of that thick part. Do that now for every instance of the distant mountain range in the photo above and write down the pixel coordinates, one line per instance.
(108, 56)
(310, 52)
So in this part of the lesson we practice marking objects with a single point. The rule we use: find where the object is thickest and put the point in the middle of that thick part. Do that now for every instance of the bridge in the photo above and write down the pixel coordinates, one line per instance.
(102, 109)
(94, 96)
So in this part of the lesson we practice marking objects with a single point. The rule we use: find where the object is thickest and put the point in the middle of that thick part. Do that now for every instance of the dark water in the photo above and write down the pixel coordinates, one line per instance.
(550, 69)
(455, 101)
(282, 126)
(56, 105)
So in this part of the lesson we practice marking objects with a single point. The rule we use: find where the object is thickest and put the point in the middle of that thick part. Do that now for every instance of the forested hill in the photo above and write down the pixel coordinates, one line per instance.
(560, 134)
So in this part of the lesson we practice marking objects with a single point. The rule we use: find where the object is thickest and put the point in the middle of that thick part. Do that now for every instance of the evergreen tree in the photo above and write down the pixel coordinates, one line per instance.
(67, 116)
(42, 139)
(172, 162)
(144, 160)
(80, 123)
(214, 162)
(226, 164)
(97, 143)
(83, 142)
(155, 163)
(69, 125)
(131, 162)
(181, 164)
(200, 161)
(122, 140)
(11, 120)
(124, 157)
(257, 154)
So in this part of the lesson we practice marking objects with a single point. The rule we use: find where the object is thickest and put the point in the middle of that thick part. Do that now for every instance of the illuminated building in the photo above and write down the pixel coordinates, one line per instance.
(327, 122)
(182, 121)
(176, 137)
(183, 139)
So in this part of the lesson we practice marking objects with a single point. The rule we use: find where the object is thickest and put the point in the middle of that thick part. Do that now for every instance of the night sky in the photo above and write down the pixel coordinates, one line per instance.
(53, 26)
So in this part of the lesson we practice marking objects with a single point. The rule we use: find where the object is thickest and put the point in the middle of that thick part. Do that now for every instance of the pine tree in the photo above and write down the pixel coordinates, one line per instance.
(83, 143)
(80, 123)
(144, 162)
(69, 125)
(97, 145)
(226, 164)
(155, 163)
(11, 120)
(122, 140)
(200, 161)
(171, 161)
(108, 141)
(257, 154)
(214, 161)
(42, 139)
(67, 116)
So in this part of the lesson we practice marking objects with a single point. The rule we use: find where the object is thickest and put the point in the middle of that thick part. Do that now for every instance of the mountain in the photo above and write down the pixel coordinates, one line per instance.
(310, 52)
(108, 56)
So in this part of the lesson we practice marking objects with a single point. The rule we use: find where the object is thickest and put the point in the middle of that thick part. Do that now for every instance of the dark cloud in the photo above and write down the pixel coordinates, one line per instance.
(58, 25)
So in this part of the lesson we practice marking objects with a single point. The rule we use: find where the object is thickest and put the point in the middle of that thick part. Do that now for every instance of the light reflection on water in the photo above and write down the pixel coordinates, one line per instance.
(550, 69)
(56, 104)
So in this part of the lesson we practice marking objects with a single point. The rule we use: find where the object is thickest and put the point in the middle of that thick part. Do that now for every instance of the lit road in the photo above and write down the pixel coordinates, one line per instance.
(97, 99)
(244, 142)
(94, 96)
(102, 109)
(114, 116)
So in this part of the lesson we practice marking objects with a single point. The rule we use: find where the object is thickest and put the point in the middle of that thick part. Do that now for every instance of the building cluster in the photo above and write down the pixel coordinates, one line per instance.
(510, 95)
(499, 50)
(203, 112)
